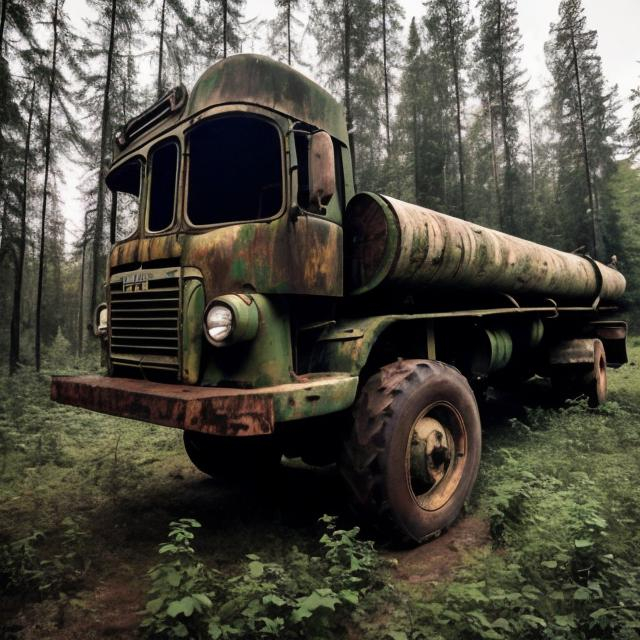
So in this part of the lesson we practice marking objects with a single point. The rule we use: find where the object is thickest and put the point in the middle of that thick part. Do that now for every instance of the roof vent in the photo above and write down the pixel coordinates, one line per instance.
(170, 102)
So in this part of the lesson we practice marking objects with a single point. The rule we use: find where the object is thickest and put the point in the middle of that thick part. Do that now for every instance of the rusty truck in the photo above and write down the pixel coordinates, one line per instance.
(255, 301)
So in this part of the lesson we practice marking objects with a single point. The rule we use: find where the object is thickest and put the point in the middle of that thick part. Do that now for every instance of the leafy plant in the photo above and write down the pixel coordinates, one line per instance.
(304, 596)
(27, 569)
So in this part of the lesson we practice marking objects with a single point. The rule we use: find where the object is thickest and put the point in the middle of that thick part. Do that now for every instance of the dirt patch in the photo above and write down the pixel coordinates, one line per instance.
(439, 559)
(110, 610)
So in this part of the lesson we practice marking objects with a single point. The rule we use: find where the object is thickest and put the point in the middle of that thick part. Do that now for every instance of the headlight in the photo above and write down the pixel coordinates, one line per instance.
(101, 320)
(230, 319)
(219, 323)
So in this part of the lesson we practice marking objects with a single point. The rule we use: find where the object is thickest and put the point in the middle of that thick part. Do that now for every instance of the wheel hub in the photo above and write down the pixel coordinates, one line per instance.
(431, 453)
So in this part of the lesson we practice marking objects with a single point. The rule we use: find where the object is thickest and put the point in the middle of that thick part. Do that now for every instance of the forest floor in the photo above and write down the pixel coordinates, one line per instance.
(86, 500)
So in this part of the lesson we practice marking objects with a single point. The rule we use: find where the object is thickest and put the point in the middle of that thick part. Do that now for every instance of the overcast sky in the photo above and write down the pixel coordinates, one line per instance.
(617, 23)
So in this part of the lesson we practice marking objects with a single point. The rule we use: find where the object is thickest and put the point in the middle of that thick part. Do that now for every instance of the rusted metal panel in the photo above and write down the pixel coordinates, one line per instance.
(283, 256)
(613, 334)
(255, 79)
(580, 351)
(214, 410)
(145, 250)
(402, 245)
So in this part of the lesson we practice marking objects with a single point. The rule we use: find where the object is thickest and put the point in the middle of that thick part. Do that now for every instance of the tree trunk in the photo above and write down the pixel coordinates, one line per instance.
(104, 144)
(507, 209)
(224, 28)
(531, 157)
(3, 21)
(47, 161)
(585, 153)
(289, 31)
(386, 74)
(416, 146)
(346, 14)
(85, 240)
(14, 346)
(160, 86)
(456, 82)
(494, 166)
(3, 68)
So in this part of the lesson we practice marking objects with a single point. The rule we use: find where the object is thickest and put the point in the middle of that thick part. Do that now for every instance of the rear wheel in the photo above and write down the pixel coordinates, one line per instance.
(584, 378)
(236, 458)
(413, 455)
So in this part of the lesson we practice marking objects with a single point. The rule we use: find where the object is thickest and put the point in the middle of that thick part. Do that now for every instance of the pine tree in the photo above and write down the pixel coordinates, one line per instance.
(281, 31)
(634, 124)
(343, 36)
(409, 110)
(60, 126)
(174, 17)
(449, 27)
(349, 36)
(426, 123)
(500, 83)
(625, 187)
(47, 163)
(109, 95)
(16, 313)
(584, 115)
(219, 28)
(391, 15)
(17, 41)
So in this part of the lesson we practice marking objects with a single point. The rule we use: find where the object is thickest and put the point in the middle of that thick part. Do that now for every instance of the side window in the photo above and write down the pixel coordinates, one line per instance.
(124, 183)
(163, 171)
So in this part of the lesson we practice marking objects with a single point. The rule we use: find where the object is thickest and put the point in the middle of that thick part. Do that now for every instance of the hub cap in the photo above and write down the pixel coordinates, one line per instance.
(436, 445)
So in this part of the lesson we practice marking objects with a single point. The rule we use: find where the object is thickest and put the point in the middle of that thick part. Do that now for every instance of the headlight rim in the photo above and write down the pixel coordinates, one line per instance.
(101, 330)
(217, 303)
(246, 318)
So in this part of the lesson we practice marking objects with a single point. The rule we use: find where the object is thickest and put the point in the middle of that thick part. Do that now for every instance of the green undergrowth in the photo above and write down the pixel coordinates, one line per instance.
(53, 457)
(303, 596)
(84, 495)
(559, 489)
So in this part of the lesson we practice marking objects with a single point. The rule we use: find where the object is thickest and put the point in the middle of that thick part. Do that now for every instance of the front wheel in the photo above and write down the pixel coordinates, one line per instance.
(233, 458)
(413, 454)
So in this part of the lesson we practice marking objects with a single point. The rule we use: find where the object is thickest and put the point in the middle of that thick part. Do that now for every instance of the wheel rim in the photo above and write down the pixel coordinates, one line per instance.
(600, 374)
(435, 456)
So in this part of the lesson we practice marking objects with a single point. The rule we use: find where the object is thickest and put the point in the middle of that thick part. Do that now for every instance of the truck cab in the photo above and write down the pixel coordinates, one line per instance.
(234, 194)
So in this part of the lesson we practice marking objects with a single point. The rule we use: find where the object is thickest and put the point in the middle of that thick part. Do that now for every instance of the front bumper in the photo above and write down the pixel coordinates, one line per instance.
(214, 410)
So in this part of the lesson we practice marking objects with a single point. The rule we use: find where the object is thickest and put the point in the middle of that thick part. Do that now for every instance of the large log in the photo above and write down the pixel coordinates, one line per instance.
(389, 243)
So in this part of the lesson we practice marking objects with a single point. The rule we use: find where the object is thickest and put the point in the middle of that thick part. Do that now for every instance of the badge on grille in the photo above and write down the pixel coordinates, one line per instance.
(138, 281)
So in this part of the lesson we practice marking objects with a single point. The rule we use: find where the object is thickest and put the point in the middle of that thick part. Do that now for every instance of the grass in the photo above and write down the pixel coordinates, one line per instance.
(558, 487)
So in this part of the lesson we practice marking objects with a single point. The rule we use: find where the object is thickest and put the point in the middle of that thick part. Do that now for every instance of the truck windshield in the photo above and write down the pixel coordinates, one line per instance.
(124, 183)
(163, 163)
(235, 170)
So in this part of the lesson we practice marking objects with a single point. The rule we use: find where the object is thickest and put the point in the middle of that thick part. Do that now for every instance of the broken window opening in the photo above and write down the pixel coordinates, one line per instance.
(163, 171)
(235, 170)
(124, 183)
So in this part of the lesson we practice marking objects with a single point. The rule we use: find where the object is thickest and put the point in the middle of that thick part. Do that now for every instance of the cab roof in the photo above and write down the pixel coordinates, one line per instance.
(254, 79)
(248, 79)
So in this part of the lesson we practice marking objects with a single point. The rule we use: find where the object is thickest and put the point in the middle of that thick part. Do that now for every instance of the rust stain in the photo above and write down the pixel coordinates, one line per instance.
(145, 249)
(229, 412)
(282, 256)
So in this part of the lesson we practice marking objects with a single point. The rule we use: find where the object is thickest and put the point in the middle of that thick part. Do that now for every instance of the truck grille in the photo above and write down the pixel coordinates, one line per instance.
(145, 321)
